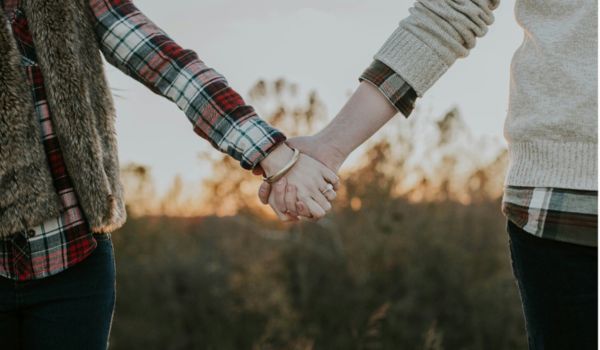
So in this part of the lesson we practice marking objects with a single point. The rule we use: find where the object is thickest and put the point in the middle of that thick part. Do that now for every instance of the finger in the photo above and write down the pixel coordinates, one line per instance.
(304, 212)
(285, 218)
(320, 199)
(279, 195)
(290, 200)
(263, 192)
(315, 209)
(302, 209)
(337, 184)
(330, 195)
(327, 190)
(332, 178)
(291, 218)
(281, 216)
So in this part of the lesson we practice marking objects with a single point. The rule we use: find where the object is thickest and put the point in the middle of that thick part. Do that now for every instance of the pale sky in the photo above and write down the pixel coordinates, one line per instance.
(318, 44)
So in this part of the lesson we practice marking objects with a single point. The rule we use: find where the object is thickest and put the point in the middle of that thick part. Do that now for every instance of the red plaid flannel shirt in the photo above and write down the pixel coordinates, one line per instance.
(135, 45)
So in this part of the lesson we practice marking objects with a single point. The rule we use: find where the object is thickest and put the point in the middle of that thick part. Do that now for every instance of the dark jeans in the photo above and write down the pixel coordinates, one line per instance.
(558, 283)
(71, 310)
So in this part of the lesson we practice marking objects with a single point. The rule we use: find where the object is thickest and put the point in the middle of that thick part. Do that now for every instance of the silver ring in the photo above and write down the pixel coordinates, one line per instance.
(327, 189)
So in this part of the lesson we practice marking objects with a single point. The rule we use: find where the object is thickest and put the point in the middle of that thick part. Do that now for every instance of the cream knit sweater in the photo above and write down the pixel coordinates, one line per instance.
(552, 121)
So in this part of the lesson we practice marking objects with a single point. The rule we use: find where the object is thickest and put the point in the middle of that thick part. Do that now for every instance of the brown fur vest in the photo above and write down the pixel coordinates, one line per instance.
(82, 112)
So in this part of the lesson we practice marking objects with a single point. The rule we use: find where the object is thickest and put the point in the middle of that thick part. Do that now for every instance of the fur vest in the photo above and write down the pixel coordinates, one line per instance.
(82, 112)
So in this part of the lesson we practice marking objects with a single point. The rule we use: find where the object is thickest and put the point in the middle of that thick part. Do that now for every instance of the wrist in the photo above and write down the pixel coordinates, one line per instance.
(332, 154)
(277, 159)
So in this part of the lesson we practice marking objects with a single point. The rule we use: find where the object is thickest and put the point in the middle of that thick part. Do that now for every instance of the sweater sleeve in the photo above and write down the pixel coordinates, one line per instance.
(135, 45)
(433, 37)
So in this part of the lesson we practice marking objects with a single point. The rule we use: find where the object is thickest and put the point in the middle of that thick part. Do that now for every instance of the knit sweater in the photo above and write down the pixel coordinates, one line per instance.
(552, 120)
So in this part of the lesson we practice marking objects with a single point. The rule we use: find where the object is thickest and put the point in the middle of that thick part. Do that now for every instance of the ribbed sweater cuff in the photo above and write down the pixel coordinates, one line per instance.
(418, 64)
(571, 165)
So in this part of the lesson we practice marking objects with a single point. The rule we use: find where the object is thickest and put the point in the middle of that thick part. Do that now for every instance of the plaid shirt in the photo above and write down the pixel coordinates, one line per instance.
(553, 213)
(564, 215)
(135, 45)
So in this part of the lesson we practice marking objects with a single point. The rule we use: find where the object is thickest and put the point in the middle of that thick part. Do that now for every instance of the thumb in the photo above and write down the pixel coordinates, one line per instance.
(263, 192)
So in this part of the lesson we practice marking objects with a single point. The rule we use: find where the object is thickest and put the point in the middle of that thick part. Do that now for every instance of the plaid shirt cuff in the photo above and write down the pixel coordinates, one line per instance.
(254, 139)
(400, 94)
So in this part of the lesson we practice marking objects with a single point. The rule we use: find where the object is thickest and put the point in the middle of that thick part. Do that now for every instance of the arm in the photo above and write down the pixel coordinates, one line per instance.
(413, 58)
(135, 45)
(380, 95)
(418, 52)
(366, 111)
(334, 143)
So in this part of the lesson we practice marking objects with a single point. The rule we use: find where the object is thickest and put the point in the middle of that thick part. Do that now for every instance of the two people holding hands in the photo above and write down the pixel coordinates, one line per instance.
(366, 111)
(61, 198)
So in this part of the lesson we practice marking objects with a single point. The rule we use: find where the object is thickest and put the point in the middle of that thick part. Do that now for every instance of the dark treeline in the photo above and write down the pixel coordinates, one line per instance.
(414, 255)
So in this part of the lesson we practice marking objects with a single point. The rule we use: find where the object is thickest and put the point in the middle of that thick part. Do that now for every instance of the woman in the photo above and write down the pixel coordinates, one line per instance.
(60, 194)
(551, 194)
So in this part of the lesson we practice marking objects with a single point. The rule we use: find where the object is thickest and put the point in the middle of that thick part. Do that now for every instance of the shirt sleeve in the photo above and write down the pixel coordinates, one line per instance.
(135, 45)
(400, 94)
(435, 34)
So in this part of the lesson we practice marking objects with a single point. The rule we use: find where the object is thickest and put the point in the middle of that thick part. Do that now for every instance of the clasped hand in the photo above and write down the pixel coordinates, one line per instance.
(306, 190)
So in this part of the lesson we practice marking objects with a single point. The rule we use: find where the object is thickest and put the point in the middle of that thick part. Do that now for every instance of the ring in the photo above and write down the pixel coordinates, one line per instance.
(327, 189)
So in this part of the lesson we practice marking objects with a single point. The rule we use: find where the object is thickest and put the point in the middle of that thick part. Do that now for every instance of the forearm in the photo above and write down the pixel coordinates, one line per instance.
(133, 43)
(363, 115)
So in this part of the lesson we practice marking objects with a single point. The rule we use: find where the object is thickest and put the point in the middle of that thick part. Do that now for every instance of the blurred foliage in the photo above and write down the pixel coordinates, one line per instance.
(413, 256)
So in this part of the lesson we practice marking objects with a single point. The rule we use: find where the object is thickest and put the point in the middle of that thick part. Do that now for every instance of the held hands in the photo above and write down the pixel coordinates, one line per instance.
(328, 148)
(308, 187)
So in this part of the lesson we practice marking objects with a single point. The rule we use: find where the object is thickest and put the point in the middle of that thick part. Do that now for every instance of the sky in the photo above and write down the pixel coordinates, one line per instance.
(319, 44)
